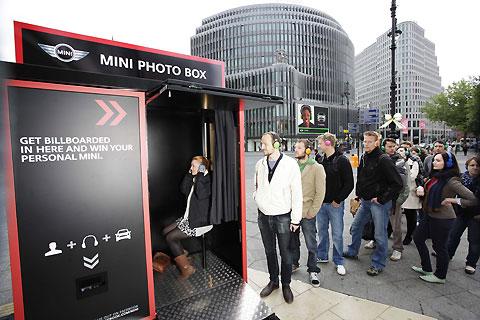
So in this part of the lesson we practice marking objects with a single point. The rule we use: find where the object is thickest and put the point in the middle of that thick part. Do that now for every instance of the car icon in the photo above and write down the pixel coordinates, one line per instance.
(123, 234)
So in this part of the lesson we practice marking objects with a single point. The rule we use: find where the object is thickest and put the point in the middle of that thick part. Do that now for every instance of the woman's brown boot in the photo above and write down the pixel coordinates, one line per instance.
(184, 266)
(160, 262)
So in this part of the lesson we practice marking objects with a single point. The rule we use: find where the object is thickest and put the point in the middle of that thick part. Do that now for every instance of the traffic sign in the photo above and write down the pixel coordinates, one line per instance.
(371, 115)
(353, 127)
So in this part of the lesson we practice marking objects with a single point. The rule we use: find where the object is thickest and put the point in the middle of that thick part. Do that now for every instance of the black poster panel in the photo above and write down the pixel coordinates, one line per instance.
(77, 52)
(79, 204)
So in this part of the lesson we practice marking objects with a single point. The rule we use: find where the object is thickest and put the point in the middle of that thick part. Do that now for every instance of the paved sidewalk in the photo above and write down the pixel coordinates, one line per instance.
(324, 304)
(397, 286)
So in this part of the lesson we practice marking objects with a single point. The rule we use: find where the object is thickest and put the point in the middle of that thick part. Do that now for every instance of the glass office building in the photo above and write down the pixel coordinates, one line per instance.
(292, 51)
(418, 79)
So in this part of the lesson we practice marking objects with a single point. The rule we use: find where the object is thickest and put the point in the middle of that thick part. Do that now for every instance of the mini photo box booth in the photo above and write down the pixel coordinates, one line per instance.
(93, 165)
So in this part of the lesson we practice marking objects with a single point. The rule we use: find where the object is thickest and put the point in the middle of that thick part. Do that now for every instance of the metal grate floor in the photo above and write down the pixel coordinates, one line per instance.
(216, 293)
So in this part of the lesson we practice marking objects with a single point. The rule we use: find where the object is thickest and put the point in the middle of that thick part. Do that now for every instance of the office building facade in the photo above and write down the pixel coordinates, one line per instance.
(417, 78)
(295, 52)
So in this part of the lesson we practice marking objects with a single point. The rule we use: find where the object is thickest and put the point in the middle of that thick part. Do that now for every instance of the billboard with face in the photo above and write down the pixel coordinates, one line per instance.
(311, 119)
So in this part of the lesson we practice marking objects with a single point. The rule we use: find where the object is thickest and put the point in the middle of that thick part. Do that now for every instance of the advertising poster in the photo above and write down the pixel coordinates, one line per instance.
(311, 119)
(77, 202)
(60, 49)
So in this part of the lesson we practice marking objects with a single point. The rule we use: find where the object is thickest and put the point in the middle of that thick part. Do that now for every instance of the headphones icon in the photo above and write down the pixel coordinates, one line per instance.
(328, 143)
(95, 243)
(308, 151)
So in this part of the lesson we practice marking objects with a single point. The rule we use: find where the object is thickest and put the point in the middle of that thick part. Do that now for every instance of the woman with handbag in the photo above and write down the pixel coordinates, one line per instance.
(441, 190)
(468, 218)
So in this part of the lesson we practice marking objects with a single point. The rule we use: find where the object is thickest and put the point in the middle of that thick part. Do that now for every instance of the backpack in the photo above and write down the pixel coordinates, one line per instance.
(404, 171)
(421, 171)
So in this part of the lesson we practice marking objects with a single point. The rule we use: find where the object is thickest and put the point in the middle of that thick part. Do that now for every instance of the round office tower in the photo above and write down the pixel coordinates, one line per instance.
(296, 52)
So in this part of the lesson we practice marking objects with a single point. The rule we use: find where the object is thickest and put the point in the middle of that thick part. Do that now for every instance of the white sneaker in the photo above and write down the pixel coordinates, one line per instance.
(341, 270)
(314, 279)
(396, 255)
(370, 244)
(469, 270)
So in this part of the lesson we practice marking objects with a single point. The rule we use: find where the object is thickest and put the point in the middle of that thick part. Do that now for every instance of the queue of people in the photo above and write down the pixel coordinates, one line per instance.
(309, 194)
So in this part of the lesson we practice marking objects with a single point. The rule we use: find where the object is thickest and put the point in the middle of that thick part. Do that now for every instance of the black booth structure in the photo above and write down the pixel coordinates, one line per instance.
(93, 167)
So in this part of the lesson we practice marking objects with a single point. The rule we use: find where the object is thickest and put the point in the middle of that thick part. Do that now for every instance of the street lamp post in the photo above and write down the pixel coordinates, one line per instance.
(393, 86)
(346, 93)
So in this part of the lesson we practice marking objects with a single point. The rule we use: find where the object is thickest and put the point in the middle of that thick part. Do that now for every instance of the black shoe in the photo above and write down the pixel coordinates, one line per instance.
(349, 256)
(372, 271)
(268, 289)
(295, 267)
(407, 241)
(287, 293)
(434, 254)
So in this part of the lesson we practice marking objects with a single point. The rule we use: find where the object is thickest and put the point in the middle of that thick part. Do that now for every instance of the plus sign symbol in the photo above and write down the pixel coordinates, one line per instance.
(106, 238)
(71, 244)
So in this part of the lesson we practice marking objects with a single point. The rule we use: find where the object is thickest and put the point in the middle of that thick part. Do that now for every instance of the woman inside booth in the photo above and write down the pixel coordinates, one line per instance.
(196, 187)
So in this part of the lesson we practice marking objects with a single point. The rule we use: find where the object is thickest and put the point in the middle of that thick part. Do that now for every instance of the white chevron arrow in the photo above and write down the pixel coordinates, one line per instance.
(91, 263)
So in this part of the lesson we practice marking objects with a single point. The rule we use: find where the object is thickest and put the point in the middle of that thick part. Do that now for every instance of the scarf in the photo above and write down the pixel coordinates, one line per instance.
(435, 191)
(469, 181)
(303, 165)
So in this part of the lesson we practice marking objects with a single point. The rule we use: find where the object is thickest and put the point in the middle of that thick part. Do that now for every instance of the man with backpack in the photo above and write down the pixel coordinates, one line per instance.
(390, 147)
(378, 183)
(339, 185)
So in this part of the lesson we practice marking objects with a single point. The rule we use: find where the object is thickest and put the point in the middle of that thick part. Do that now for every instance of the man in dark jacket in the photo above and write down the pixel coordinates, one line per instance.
(378, 183)
(339, 185)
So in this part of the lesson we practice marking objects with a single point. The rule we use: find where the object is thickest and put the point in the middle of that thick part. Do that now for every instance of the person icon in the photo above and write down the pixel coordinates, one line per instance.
(53, 250)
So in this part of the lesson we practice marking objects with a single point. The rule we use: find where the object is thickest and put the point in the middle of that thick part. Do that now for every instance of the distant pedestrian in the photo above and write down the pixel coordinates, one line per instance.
(465, 148)
(441, 190)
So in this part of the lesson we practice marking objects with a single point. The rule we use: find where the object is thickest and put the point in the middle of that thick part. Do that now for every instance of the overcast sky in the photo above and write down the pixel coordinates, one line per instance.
(168, 25)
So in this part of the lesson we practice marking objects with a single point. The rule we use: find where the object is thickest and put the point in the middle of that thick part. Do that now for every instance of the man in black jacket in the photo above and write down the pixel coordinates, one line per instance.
(338, 187)
(378, 183)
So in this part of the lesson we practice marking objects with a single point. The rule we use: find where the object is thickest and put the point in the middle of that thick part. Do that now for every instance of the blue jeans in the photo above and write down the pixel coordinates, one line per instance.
(379, 213)
(309, 232)
(461, 223)
(333, 216)
(278, 227)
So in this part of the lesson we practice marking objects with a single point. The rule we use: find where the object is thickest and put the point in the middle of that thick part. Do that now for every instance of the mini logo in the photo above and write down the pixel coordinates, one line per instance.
(63, 52)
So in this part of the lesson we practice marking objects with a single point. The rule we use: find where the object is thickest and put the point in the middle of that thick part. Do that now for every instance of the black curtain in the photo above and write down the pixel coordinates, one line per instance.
(226, 170)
